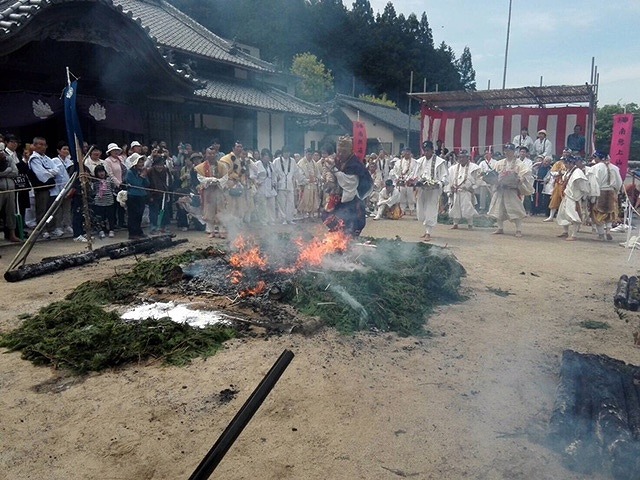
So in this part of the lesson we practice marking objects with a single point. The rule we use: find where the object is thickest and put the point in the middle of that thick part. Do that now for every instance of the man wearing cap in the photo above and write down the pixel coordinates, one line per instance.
(429, 176)
(514, 181)
(524, 139)
(609, 180)
(577, 189)
(401, 172)
(355, 184)
(542, 145)
(462, 182)
(309, 199)
(388, 205)
(239, 202)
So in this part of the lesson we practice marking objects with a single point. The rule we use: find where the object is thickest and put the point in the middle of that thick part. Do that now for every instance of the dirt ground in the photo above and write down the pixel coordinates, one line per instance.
(472, 402)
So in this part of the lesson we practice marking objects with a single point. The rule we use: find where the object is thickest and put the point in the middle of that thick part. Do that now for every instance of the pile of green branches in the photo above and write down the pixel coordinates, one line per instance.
(401, 285)
(84, 337)
(80, 335)
(122, 288)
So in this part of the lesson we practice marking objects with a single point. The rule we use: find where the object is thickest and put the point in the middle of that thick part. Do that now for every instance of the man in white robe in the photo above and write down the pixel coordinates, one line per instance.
(400, 174)
(429, 176)
(570, 210)
(524, 139)
(514, 181)
(287, 175)
(605, 210)
(463, 177)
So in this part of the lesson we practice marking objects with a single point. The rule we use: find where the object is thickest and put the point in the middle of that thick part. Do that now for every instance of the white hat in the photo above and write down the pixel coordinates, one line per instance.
(135, 143)
(539, 132)
(133, 159)
(113, 146)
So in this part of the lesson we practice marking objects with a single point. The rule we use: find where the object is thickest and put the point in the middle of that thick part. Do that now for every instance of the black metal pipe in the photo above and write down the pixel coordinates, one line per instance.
(242, 418)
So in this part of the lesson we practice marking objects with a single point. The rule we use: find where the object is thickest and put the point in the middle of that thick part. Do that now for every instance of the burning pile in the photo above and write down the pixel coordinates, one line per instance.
(378, 285)
(382, 284)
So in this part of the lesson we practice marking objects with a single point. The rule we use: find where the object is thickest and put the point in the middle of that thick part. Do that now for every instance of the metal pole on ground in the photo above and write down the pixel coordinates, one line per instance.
(242, 418)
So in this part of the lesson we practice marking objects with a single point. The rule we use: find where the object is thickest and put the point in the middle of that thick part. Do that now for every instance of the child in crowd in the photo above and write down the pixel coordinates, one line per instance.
(102, 189)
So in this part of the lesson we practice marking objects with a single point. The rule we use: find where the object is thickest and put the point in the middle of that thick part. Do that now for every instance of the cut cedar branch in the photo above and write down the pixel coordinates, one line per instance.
(595, 423)
(116, 250)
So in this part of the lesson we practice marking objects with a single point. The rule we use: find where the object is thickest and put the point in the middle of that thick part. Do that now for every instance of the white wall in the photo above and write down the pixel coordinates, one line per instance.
(273, 140)
(374, 128)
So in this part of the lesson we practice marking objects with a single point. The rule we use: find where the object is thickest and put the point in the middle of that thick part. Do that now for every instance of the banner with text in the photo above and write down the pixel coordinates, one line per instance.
(359, 140)
(621, 141)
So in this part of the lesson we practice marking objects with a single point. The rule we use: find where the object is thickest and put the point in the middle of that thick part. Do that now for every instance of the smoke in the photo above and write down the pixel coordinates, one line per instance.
(353, 303)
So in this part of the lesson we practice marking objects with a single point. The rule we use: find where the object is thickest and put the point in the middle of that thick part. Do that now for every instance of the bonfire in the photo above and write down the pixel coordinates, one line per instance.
(257, 286)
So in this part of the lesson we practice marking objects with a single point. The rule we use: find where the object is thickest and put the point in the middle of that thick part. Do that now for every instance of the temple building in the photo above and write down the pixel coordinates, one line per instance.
(146, 71)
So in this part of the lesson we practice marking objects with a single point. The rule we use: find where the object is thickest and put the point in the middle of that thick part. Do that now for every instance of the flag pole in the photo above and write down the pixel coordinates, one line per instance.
(82, 176)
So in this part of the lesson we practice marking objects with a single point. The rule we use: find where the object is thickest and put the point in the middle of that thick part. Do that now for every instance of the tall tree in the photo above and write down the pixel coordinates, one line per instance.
(466, 71)
(316, 82)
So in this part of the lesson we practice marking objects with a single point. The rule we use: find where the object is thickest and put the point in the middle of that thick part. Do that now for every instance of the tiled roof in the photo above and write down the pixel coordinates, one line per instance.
(164, 23)
(263, 97)
(392, 116)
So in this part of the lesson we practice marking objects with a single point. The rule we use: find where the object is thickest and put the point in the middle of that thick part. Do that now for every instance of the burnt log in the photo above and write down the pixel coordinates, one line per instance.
(50, 266)
(595, 423)
(633, 295)
(622, 290)
(152, 244)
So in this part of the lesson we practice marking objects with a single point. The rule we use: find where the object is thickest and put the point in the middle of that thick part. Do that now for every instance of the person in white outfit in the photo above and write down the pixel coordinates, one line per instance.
(524, 139)
(429, 177)
(388, 205)
(542, 145)
(400, 174)
(286, 172)
(577, 189)
(463, 177)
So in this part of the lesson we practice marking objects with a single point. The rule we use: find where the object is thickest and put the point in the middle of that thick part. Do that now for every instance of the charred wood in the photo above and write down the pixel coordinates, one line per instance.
(622, 290)
(596, 417)
(52, 265)
(633, 297)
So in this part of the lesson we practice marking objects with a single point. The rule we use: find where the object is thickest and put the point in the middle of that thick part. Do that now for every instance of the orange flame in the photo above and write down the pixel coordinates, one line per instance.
(313, 253)
(235, 277)
(247, 256)
(257, 290)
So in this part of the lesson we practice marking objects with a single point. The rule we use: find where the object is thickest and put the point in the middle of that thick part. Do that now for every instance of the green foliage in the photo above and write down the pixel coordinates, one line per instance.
(382, 100)
(122, 288)
(604, 127)
(402, 285)
(316, 84)
(375, 53)
(84, 337)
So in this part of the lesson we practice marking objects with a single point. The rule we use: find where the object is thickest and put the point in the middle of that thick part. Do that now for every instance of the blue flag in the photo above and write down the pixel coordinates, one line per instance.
(72, 121)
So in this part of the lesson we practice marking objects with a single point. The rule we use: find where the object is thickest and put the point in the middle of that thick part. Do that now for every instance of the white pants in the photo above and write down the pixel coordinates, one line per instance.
(407, 198)
(427, 205)
(286, 208)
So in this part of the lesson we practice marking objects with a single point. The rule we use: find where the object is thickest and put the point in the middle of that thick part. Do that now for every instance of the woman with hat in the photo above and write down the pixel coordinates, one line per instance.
(542, 145)
(117, 172)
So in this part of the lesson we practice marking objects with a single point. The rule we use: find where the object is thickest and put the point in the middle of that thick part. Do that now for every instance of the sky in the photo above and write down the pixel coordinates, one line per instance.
(552, 39)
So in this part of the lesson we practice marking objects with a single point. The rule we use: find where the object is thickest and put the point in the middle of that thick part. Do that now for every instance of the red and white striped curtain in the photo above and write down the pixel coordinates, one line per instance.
(476, 130)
